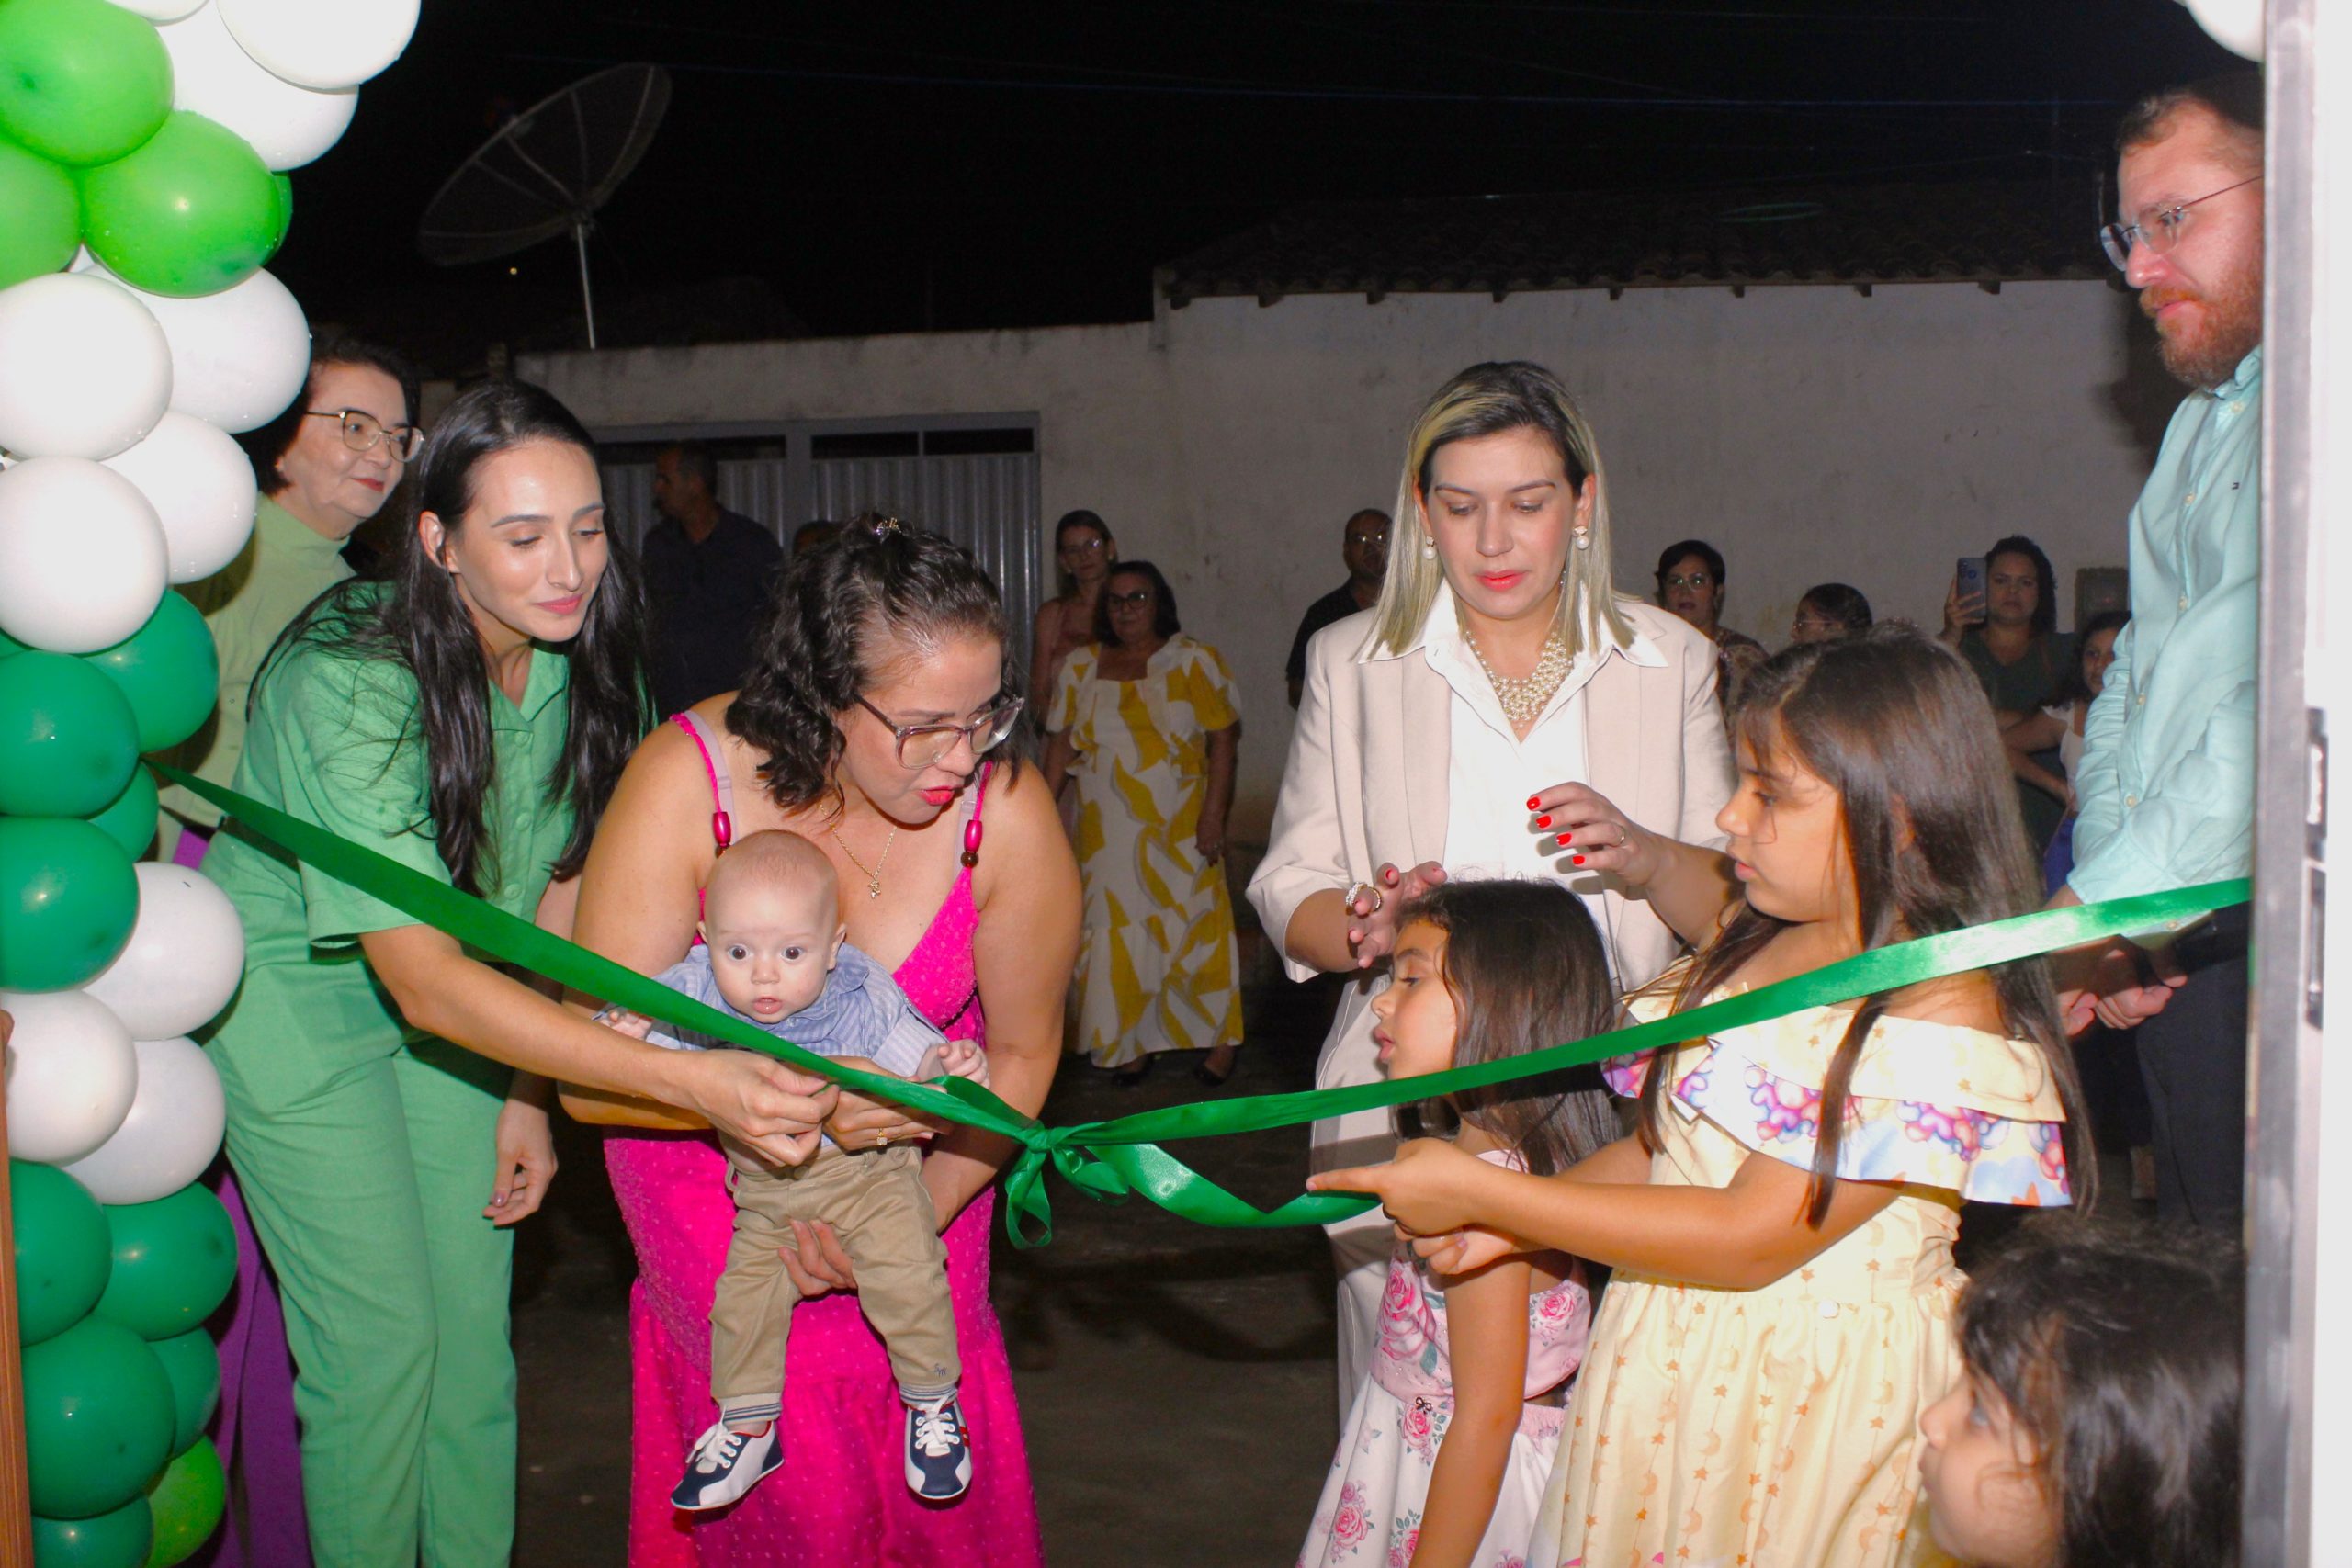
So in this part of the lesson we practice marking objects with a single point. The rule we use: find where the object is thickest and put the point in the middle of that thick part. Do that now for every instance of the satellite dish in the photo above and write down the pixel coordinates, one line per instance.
(546, 172)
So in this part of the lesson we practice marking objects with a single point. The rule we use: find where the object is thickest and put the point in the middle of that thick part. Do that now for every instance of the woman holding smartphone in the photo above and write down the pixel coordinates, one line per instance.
(2008, 630)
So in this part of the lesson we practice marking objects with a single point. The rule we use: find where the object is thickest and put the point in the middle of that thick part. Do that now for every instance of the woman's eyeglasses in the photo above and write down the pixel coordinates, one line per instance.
(362, 430)
(1691, 579)
(1141, 596)
(924, 745)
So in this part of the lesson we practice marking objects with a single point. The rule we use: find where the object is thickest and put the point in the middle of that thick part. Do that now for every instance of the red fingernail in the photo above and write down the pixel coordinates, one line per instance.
(1543, 821)
(1533, 801)
(1563, 840)
(1576, 859)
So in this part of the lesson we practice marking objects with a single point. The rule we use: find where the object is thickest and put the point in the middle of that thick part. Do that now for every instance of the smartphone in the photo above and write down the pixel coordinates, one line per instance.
(1972, 579)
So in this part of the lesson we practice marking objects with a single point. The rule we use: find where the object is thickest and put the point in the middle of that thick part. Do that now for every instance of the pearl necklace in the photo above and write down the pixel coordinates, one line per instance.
(1522, 697)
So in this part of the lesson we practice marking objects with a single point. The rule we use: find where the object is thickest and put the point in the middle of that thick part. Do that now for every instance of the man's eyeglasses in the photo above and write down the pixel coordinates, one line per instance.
(922, 745)
(2158, 228)
(362, 430)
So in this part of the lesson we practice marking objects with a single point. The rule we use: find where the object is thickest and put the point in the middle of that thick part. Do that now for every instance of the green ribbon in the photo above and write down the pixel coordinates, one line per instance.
(1109, 1160)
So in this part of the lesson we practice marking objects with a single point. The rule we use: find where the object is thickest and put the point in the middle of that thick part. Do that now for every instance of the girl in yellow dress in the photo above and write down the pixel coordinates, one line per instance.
(1781, 1222)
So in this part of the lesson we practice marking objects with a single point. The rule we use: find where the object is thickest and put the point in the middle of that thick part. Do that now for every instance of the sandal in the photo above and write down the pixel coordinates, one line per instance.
(1133, 1073)
(1210, 1076)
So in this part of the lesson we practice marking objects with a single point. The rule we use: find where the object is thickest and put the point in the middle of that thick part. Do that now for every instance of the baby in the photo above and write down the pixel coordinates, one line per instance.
(774, 954)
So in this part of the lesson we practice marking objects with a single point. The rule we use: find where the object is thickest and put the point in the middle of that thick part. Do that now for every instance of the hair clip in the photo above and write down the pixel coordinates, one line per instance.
(887, 525)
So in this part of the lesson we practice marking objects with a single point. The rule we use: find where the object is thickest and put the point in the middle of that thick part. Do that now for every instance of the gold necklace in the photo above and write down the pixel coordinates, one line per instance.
(873, 876)
(1523, 696)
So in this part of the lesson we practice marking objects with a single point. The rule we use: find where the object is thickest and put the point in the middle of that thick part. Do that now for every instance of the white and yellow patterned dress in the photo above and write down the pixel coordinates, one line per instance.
(1778, 1428)
(1159, 971)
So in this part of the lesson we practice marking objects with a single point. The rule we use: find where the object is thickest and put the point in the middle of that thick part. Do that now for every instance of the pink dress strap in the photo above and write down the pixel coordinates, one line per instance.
(722, 786)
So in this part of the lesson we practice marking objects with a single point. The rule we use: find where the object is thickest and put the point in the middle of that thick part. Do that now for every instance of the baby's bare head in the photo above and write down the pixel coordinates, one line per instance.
(772, 920)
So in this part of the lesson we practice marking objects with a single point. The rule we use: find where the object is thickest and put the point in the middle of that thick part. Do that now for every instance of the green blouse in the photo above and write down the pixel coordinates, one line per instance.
(335, 741)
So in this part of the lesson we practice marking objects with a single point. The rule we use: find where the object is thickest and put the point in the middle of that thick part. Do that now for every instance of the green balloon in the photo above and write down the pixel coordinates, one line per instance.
(169, 669)
(98, 1419)
(131, 820)
(175, 1261)
(85, 82)
(188, 1499)
(44, 214)
(63, 1249)
(69, 738)
(193, 1363)
(118, 1539)
(191, 212)
(67, 900)
(283, 218)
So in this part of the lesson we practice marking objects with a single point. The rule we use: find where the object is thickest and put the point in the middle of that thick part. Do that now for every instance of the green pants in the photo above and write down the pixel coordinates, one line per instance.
(368, 1193)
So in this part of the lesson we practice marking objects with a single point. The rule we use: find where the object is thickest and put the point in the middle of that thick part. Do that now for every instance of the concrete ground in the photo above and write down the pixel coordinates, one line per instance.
(1175, 1381)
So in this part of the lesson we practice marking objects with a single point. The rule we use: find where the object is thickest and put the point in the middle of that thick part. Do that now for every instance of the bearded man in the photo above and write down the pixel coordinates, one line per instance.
(2166, 783)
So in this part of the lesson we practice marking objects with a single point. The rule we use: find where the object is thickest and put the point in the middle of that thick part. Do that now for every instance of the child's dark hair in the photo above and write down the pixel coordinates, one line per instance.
(873, 579)
(2119, 1352)
(1526, 970)
(1896, 725)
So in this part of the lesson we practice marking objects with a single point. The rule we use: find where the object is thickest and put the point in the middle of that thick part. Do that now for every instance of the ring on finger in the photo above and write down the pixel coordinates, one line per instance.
(1623, 838)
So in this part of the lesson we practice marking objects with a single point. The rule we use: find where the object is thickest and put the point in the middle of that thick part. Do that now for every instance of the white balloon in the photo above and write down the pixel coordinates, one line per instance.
(84, 370)
(169, 1135)
(201, 486)
(186, 954)
(288, 125)
(322, 44)
(2236, 25)
(83, 561)
(239, 356)
(71, 1077)
(160, 10)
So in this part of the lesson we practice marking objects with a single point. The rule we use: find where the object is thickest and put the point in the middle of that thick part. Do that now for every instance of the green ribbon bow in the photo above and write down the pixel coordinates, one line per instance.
(1109, 1160)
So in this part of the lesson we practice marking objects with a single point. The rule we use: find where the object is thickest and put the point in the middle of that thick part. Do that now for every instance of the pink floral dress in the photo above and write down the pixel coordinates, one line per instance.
(841, 1500)
(1371, 1511)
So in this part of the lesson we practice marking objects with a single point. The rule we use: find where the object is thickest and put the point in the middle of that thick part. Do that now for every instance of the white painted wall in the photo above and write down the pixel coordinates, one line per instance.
(1810, 433)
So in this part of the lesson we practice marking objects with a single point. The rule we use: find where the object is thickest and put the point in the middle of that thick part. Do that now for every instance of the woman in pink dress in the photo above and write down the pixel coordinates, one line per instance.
(879, 683)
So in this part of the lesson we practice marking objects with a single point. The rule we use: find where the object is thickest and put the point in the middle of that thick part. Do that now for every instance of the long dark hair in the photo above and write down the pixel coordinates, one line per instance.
(419, 622)
(1164, 622)
(1526, 970)
(2119, 1353)
(873, 580)
(1066, 584)
(2045, 608)
(1897, 726)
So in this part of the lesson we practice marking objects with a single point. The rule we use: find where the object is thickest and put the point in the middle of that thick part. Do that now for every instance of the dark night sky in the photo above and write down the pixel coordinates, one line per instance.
(891, 166)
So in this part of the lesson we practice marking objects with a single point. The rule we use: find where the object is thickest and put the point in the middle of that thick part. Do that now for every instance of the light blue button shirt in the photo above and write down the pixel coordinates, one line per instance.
(2165, 791)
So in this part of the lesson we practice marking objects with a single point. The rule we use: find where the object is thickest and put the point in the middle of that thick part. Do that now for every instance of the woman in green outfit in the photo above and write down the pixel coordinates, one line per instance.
(467, 717)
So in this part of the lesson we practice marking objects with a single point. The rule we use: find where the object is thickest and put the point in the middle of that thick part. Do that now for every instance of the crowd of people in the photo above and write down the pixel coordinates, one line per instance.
(1699, 1304)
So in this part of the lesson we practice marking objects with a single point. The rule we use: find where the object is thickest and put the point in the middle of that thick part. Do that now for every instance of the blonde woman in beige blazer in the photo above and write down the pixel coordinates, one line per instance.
(1500, 712)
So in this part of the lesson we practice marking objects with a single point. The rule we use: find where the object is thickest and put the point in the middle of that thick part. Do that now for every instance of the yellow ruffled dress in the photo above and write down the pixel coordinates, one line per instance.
(1778, 1428)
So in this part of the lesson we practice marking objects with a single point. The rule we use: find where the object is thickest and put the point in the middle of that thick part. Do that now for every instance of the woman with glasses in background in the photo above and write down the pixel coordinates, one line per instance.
(870, 725)
(1083, 551)
(1145, 719)
(1690, 577)
(325, 466)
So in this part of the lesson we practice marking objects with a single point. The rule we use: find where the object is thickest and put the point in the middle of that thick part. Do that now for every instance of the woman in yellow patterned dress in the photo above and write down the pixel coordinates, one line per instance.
(1781, 1225)
(1145, 717)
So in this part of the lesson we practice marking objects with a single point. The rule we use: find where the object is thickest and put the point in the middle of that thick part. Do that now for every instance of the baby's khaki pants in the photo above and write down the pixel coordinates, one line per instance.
(876, 1201)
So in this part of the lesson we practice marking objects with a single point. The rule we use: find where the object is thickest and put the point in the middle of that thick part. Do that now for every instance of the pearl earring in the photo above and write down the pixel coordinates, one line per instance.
(1584, 538)
(1429, 548)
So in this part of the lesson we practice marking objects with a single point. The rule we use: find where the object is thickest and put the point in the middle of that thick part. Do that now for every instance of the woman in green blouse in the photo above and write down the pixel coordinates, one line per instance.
(387, 1091)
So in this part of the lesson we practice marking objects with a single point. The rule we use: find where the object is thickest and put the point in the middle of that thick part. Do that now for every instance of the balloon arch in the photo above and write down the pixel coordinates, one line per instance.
(143, 152)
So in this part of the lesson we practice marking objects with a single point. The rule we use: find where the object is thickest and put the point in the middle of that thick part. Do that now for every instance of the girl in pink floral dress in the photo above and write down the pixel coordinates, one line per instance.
(1453, 1432)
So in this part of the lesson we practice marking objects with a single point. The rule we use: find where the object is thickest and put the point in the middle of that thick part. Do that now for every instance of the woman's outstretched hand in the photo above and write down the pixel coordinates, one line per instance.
(1372, 917)
(858, 1122)
(757, 1099)
(1574, 818)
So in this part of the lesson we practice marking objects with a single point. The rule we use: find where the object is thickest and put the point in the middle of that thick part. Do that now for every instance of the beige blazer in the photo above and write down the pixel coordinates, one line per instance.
(1366, 783)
